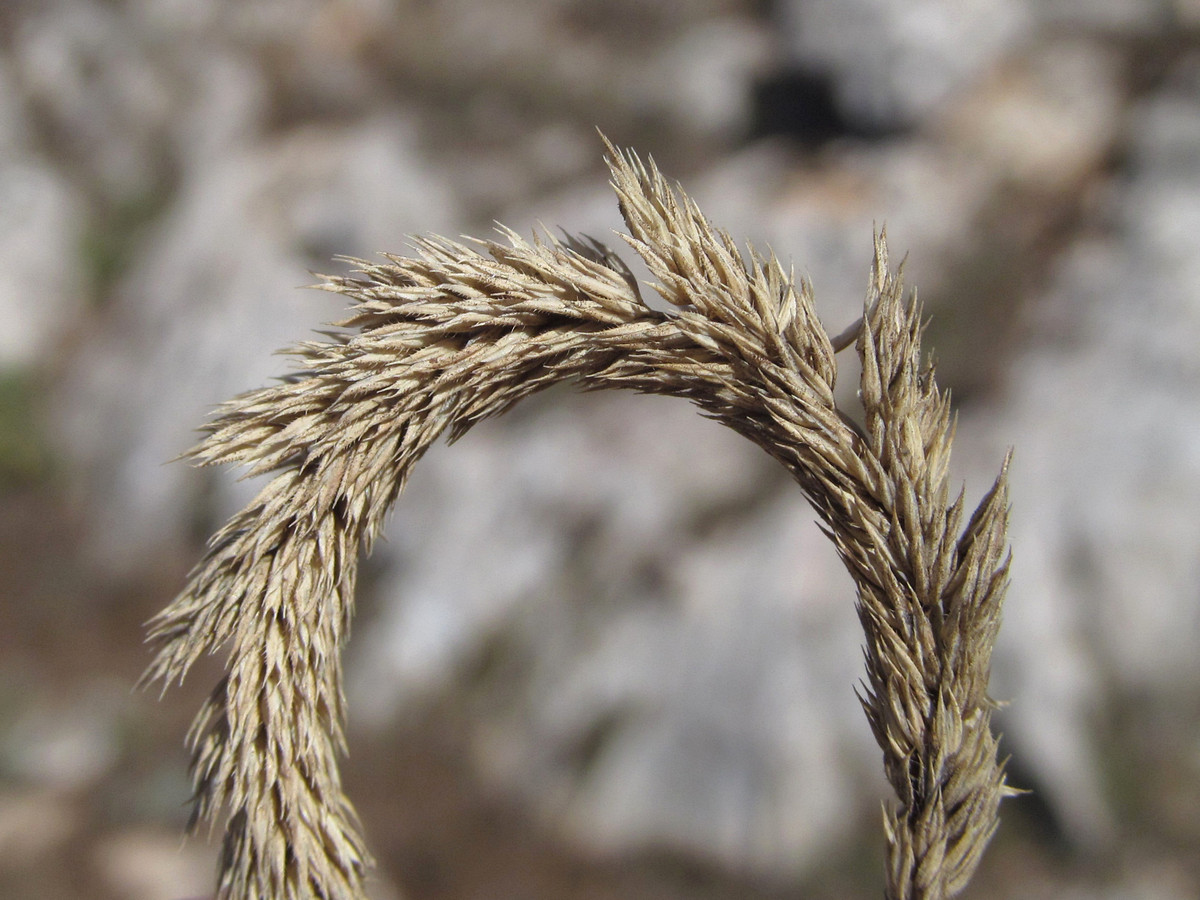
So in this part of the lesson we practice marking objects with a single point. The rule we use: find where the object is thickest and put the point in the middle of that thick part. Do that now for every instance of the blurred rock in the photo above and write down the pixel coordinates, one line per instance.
(1151, 879)
(41, 213)
(64, 746)
(702, 79)
(1044, 119)
(824, 215)
(893, 63)
(674, 66)
(103, 95)
(153, 865)
(1187, 12)
(32, 825)
(1103, 411)
(1116, 16)
(213, 295)
(14, 126)
(41, 274)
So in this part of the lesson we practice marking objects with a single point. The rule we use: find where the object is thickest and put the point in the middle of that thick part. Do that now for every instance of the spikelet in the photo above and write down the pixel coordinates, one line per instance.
(459, 333)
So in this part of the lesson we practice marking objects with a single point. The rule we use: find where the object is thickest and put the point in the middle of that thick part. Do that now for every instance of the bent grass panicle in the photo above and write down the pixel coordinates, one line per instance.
(439, 341)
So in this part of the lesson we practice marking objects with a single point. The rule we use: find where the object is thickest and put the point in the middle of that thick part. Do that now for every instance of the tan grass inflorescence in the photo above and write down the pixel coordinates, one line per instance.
(459, 333)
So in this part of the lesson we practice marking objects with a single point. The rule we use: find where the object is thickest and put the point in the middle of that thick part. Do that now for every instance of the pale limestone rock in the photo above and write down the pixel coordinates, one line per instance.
(1102, 409)
(42, 282)
(146, 864)
(215, 293)
(893, 63)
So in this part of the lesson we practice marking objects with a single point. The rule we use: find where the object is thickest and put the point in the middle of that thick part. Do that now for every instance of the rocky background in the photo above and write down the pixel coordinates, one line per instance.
(605, 652)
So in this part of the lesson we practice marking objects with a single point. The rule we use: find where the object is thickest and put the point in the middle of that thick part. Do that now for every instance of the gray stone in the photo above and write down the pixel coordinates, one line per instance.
(893, 63)
(42, 280)
(148, 864)
(1102, 408)
(65, 746)
(42, 284)
(34, 825)
(1042, 121)
(701, 80)
(92, 76)
(214, 295)
(1114, 16)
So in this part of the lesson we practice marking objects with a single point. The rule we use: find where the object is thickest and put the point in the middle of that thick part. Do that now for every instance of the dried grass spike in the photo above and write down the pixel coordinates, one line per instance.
(439, 341)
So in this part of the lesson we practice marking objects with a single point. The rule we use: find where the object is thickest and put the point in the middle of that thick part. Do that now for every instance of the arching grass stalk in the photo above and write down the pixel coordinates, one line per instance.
(458, 333)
